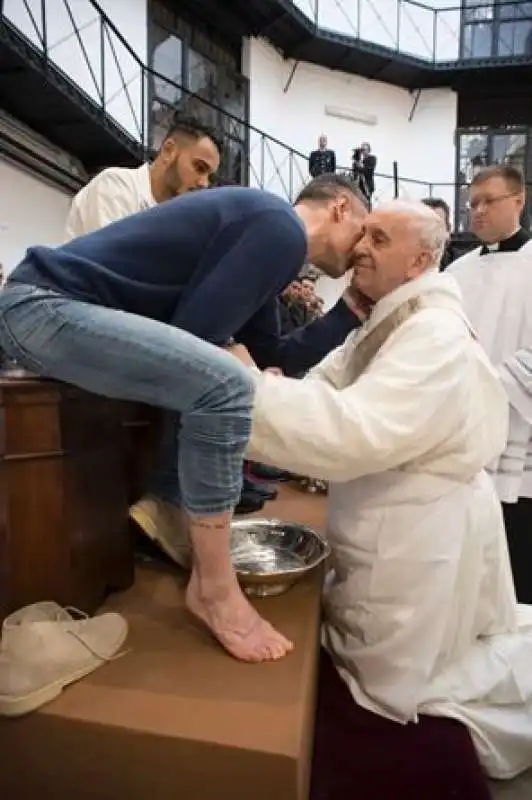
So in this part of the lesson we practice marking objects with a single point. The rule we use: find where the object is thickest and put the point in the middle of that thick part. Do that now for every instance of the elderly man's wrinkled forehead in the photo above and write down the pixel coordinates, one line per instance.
(389, 223)
(402, 221)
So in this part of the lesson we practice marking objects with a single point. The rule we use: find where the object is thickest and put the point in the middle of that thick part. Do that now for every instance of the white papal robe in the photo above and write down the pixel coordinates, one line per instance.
(420, 611)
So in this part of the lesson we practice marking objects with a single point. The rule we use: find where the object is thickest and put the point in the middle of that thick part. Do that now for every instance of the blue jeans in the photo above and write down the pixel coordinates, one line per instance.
(128, 357)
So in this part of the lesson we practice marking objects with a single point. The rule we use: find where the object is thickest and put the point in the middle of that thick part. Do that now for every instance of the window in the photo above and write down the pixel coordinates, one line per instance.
(515, 29)
(477, 40)
(200, 100)
(509, 148)
(517, 11)
(198, 76)
(478, 10)
(167, 60)
(499, 29)
(201, 77)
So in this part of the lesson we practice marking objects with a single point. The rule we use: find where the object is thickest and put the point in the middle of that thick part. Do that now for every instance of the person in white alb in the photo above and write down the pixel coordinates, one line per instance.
(496, 284)
(188, 158)
(427, 669)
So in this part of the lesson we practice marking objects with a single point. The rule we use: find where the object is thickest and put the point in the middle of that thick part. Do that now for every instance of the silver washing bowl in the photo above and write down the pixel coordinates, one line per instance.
(269, 555)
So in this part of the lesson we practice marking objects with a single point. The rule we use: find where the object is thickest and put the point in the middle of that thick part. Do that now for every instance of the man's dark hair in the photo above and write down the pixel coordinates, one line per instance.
(326, 187)
(512, 176)
(193, 128)
(439, 202)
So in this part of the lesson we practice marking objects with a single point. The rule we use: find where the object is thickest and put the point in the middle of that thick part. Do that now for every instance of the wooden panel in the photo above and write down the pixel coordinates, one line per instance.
(63, 496)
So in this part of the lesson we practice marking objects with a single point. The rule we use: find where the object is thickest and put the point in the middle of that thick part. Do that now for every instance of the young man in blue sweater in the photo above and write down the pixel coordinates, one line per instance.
(141, 310)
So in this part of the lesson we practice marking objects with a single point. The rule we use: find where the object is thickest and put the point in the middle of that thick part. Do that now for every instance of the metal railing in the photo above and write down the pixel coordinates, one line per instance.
(438, 32)
(77, 38)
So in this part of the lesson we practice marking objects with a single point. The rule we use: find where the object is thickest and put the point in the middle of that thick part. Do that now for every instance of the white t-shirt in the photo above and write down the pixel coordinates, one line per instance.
(113, 194)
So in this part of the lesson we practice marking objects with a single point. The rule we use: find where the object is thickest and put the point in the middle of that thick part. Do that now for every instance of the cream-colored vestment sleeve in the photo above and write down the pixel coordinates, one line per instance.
(333, 367)
(406, 402)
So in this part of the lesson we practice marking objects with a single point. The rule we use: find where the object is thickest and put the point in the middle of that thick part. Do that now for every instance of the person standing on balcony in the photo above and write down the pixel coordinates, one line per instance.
(188, 158)
(142, 309)
(496, 284)
(322, 161)
(364, 166)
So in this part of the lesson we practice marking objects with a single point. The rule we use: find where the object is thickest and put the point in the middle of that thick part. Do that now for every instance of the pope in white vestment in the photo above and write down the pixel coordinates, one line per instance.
(420, 610)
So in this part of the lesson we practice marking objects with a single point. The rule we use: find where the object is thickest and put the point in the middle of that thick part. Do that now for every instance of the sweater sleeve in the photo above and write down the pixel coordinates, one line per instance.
(303, 348)
(244, 272)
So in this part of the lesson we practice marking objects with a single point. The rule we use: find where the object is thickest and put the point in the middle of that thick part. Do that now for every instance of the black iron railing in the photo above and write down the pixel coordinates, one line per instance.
(79, 40)
(425, 30)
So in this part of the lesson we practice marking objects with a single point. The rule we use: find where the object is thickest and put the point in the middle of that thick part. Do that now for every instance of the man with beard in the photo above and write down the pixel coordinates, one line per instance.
(188, 158)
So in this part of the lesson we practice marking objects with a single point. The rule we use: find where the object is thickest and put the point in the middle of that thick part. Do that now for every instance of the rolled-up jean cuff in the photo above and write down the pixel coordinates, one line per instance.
(208, 510)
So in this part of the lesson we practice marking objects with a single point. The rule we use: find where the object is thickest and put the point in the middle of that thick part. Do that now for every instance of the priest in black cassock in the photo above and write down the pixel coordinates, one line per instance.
(496, 283)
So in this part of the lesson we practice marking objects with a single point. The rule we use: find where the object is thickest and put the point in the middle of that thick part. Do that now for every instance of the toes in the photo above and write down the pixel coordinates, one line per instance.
(278, 648)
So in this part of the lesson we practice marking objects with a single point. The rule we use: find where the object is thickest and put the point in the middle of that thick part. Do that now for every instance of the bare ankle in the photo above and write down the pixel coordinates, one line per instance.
(210, 537)
(212, 590)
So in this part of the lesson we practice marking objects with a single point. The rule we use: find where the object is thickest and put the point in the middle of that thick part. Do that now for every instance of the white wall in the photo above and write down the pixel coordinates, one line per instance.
(424, 147)
(427, 33)
(31, 212)
(330, 289)
(129, 16)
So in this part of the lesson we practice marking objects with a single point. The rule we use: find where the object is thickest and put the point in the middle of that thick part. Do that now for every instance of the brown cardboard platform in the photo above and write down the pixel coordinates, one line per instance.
(176, 717)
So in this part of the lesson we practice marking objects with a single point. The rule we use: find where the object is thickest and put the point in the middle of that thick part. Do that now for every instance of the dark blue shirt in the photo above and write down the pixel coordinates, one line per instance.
(211, 262)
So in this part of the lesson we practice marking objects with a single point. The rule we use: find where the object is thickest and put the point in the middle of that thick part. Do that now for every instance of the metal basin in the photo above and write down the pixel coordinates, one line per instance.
(269, 556)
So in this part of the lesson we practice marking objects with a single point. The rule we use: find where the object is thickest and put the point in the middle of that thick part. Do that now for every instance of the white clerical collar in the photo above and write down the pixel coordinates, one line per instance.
(510, 244)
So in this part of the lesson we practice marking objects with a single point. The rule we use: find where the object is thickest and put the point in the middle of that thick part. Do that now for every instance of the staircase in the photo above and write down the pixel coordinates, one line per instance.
(415, 44)
(67, 72)
(74, 108)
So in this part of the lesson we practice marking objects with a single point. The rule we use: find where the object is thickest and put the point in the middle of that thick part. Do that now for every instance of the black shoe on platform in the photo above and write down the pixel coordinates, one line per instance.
(249, 502)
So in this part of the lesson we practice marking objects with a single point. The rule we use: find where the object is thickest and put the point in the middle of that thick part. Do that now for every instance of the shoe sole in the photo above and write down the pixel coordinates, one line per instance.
(149, 529)
(24, 704)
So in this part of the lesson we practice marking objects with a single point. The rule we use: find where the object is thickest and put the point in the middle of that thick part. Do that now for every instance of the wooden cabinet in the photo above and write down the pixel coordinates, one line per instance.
(69, 466)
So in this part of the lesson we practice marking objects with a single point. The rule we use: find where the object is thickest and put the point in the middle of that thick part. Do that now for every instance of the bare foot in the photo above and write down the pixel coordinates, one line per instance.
(235, 623)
